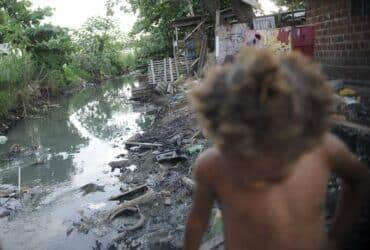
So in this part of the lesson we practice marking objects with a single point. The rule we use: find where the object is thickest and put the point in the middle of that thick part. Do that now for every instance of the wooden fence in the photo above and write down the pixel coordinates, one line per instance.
(163, 73)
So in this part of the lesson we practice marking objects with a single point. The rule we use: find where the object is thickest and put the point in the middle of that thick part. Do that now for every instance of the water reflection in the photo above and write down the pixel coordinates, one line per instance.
(76, 141)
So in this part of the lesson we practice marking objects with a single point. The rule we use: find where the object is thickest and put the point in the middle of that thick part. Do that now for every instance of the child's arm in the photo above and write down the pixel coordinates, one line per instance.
(355, 189)
(202, 204)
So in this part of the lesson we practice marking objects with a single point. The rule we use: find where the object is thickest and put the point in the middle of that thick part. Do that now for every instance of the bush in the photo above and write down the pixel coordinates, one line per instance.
(5, 103)
(101, 49)
(15, 71)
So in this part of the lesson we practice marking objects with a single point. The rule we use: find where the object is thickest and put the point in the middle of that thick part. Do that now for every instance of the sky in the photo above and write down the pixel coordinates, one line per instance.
(73, 13)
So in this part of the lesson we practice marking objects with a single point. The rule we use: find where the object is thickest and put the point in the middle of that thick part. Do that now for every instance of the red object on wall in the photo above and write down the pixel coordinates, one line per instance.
(303, 39)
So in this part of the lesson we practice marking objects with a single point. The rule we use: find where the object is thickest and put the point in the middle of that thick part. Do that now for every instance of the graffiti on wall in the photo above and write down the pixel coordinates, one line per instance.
(278, 40)
(229, 40)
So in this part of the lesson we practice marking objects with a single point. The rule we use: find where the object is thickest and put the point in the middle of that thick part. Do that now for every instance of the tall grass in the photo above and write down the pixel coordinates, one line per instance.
(16, 72)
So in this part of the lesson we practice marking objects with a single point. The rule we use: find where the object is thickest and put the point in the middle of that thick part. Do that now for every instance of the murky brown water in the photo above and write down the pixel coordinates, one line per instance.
(76, 141)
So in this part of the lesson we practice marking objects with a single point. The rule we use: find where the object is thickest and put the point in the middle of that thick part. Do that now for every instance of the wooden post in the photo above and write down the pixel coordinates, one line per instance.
(171, 70)
(218, 18)
(152, 70)
(217, 39)
(176, 47)
(165, 70)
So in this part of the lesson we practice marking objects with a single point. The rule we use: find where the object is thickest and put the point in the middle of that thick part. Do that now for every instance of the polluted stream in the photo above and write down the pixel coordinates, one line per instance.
(59, 152)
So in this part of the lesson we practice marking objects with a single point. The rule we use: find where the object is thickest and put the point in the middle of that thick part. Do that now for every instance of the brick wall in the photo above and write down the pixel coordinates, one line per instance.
(342, 40)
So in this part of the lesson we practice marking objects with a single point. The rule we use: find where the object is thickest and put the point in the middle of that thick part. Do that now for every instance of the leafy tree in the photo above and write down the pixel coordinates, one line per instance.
(101, 48)
(152, 33)
(16, 17)
(49, 46)
(291, 4)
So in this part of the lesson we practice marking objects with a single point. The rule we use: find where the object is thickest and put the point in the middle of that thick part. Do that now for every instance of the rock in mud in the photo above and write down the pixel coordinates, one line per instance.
(4, 213)
(91, 188)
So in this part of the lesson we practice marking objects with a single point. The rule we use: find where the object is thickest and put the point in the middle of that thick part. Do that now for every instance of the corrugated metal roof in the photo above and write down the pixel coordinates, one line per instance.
(253, 3)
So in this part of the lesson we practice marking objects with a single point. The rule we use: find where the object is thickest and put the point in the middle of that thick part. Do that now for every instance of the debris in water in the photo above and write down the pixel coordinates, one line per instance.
(119, 164)
(132, 168)
(91, 188)
(69, 231)
(39, 163)
(4, 213)
(96, 206)
(3, 140)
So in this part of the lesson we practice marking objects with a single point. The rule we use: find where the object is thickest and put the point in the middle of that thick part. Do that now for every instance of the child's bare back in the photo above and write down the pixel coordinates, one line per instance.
(271, 202)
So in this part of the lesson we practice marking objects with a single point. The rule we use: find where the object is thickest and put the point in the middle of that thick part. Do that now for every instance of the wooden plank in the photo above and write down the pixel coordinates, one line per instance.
(152, 69)
(165, 69)
(194, 30)
(147, 145)
(171, 70)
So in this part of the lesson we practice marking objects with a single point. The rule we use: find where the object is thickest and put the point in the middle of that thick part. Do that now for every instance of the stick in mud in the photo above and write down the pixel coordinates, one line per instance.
(130, 194)
(149, 145)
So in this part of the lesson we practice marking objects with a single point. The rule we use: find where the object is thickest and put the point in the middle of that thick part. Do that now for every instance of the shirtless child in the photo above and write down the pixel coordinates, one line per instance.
(273, 157)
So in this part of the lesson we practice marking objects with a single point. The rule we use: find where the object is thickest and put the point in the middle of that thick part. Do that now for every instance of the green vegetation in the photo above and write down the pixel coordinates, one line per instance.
(291, 4)
(45, 58)
(100, 50)
(152, 33)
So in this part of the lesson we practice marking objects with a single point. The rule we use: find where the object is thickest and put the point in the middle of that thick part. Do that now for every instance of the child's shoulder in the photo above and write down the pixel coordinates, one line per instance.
(207, 164)
(332, 145)
(333, 150)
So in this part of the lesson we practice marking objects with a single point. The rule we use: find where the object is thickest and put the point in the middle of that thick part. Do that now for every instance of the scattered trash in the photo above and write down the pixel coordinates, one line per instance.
(4, 213)
(195, 149)
(143, 145)
(16, 149)
(96, 206)
(168, 201)
(188, 182)
(91, 188)
(132, 168)
(347, 92)
(69, 231)
(139, 224)
(132, 194)
(119, 164)
(176, 140)
(147, 197)
(123, 155)
(170, 156)
(3, 140)
(39, 163)
(12, 193)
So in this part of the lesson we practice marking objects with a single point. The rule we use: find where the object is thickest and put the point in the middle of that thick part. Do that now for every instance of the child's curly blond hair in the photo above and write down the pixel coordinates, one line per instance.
(264, 103)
